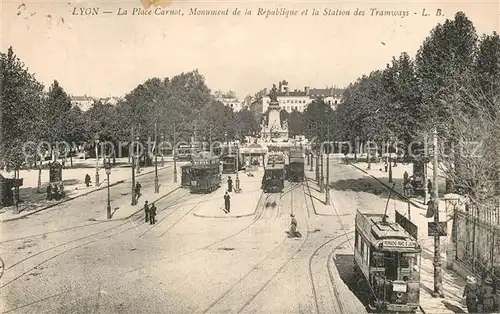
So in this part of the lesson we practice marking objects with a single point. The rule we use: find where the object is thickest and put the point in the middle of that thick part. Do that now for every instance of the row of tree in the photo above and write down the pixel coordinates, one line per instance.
(452, 85)
(30, 114)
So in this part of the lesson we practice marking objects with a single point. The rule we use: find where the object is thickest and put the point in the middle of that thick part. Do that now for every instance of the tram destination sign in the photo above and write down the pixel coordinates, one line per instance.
(399, 243)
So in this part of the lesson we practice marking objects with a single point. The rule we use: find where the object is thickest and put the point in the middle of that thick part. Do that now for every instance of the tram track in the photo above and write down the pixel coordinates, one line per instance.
(262, 204)
(263, 267)
(24, 260)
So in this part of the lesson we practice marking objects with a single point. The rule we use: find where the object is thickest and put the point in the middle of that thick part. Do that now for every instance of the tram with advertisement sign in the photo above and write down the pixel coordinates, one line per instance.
(387, 255)
(205, 174)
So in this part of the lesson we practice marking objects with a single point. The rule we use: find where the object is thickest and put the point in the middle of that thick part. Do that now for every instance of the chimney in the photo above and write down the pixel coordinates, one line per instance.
(266, 92)
(306, 90)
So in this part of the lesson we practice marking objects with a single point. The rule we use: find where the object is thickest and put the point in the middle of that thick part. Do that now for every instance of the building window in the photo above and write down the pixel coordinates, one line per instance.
(335, 102)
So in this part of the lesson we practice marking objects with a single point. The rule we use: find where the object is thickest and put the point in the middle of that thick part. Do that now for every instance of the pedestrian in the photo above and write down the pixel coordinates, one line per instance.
(431, 209)
(146, 211)
(487, 296)
(138, 187)
(227, 203)
(229, 184)
(152, 214)
(429, 187)
(405, 178)
(471, 294)
(293, 226)
(87, 180)
(385, 166)
(49, 192)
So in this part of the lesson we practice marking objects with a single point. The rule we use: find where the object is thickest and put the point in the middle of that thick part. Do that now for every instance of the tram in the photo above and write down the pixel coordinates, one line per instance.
(388, 257)
(231, 162)
(295, 166)
(274, 178)
(205, 174)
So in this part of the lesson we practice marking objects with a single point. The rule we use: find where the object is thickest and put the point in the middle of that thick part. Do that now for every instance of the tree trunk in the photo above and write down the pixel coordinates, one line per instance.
(39, 178)
(71, 157)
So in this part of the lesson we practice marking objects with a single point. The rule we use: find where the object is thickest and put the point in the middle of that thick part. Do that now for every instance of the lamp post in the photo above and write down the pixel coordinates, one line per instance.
(157, 187)
(96, 160)
(174, 157)
(327, 192)
(131, 152)
(227, 143)
(138, 158)
(162, 159)
(107, 166)
(438, 281)
(237, 190)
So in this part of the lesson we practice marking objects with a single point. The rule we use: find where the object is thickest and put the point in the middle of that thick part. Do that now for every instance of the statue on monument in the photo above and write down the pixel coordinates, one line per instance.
(273, 94)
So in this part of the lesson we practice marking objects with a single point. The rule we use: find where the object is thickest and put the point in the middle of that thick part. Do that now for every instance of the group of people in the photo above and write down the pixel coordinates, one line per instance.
(150, 213)
(409, 185)
(481, 297)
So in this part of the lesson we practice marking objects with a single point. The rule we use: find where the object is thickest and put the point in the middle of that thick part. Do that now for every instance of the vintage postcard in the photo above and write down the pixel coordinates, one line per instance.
(223, 156)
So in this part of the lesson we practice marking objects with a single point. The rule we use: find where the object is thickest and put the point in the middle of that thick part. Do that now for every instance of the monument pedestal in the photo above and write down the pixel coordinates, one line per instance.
(273, 128)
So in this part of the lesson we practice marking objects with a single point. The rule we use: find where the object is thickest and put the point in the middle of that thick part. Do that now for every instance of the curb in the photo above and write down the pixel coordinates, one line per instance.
(74, 197)
(390, 188)
(140, 209)
(239, 216)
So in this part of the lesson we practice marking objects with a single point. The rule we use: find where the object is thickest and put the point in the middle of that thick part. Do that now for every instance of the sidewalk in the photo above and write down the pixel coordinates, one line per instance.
(122, 209)
(453, 284)
(74, 186)
(242, 204)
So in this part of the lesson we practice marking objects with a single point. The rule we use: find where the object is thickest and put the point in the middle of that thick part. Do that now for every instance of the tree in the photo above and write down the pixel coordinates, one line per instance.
(20, 103)
(442, 64)
(318, 116)
(296, 123)
(246, 123)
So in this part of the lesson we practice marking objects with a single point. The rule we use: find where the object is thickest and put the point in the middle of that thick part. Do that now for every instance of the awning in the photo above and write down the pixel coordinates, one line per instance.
(253, 150)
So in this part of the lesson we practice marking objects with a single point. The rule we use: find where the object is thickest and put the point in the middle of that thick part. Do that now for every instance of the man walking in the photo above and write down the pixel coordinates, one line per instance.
(146, 211)
(87, 180)
(229, 184)
(138, 187)
(152, 214)
(227, 203)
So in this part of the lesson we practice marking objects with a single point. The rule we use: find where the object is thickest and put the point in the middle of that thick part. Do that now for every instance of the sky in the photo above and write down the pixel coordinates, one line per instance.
(109, 54)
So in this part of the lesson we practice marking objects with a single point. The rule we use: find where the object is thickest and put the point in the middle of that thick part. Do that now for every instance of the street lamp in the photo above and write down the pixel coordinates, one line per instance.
(174, 157)
(237, 190)
(138, 166)
(107, 166)
(162, 159)
(157, 187)
(96, 160)
(227, 142)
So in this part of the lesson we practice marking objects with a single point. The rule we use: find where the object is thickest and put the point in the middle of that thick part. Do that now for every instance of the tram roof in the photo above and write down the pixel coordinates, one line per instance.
(379, 228)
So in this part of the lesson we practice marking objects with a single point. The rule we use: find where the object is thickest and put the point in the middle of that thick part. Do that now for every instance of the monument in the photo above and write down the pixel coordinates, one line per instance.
(273, 129)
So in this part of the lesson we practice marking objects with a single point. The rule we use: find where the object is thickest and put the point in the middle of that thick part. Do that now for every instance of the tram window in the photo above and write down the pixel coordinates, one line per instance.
(356, 240)
(362, 248)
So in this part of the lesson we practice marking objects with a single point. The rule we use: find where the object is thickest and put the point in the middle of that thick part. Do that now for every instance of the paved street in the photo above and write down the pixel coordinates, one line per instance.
(58, 261)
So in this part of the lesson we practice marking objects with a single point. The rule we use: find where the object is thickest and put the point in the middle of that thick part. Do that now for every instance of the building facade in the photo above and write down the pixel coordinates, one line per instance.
(296, 99)
(232, 102)
(85, 102)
